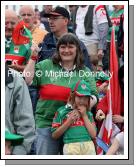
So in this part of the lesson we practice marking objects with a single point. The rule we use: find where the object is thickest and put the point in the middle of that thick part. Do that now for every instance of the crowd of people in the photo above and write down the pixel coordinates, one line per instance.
(57, 64)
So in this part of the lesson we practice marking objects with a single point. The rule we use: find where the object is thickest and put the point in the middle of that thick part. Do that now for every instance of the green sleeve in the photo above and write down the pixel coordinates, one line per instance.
(56, 122)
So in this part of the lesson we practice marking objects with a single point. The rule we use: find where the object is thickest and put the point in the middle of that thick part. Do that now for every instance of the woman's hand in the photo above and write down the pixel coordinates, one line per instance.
(35, 49)
(100, 115)
(117, 119)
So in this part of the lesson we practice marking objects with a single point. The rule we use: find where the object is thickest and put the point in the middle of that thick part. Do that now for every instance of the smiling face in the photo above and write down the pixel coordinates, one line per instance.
(67, 52)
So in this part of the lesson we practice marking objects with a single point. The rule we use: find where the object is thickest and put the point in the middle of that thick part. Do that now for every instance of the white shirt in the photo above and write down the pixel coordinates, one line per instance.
(99, 17)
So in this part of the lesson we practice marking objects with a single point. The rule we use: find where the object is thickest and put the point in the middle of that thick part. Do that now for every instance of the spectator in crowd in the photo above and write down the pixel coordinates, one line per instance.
(75, 122)
(17, 51)
(11, 140)
(18, 111)
(54, 86)
(37, 19)
(11, 20)
(116, 19)
(26, 12)
(58, 21)
(118, 119)
(91, 27)
(46, 10)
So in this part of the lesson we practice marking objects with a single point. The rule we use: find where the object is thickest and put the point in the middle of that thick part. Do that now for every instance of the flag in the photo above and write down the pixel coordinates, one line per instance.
(21, 34)
(113, 97)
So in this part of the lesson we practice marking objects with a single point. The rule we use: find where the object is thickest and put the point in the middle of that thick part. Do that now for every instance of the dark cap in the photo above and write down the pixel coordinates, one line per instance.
(58, 11)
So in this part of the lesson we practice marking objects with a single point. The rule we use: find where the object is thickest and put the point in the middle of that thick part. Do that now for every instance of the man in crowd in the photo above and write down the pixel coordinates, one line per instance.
(18, 111)
(58, 21)
(91, 27)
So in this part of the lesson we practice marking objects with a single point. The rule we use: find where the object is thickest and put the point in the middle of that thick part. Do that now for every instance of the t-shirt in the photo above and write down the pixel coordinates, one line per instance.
(77, 132)
(115, 19)
(54, 85)
(19, 54)
(99, 17)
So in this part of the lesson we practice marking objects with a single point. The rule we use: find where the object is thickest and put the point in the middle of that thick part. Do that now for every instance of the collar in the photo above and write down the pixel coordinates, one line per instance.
(68, 106)
(74, 67)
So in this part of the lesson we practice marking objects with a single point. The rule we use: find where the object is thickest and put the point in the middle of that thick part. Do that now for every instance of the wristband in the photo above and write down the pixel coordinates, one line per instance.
(34, 58)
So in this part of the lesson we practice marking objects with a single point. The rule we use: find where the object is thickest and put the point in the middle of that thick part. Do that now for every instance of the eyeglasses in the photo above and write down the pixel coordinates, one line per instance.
(55, 18)
(26, 14)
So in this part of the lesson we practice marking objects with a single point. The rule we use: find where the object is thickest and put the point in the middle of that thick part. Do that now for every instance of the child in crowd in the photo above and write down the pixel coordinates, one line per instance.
(11, 140)
(102, 82)
(75, 122)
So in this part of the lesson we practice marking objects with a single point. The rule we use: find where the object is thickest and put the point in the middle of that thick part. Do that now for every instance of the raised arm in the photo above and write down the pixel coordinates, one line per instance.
(30, 67)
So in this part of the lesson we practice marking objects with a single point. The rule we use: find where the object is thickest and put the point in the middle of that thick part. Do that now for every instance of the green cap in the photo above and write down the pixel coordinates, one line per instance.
(14, 138)
(82, 88)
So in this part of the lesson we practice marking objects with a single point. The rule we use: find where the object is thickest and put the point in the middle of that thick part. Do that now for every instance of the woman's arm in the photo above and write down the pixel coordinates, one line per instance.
(30, 67)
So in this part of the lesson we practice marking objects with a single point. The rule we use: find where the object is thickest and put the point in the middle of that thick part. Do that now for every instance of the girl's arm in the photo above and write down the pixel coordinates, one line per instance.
(90, 126)
(74, 115)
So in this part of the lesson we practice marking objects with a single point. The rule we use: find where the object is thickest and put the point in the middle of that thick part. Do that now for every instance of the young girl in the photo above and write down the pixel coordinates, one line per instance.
(75, 122)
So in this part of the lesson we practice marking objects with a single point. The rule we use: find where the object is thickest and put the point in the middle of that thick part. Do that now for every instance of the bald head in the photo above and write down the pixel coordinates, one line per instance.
(10, 13)
(27, 14)
(11, 19)
(25, 8)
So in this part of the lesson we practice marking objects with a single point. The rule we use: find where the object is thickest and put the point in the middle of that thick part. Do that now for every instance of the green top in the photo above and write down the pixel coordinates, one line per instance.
(54, 85)
(115, 19)
(18, 54)
(77, 132)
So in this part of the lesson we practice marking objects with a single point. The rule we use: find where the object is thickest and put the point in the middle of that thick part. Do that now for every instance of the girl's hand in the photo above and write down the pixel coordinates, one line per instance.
(73, 116)
(82, 110)
(117, 119)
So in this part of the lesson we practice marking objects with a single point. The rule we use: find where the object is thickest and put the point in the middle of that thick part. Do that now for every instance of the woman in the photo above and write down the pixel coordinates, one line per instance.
(54, 79)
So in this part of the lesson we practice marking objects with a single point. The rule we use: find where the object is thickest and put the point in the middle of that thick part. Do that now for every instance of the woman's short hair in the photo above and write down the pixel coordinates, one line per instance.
(70, 38)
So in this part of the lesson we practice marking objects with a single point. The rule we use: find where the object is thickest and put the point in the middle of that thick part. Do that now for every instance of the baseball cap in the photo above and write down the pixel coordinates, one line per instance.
(82, 88)
(14, 138)
(58, 11)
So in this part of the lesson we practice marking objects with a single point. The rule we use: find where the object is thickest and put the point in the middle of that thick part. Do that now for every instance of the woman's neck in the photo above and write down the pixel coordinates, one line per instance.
(67, 65)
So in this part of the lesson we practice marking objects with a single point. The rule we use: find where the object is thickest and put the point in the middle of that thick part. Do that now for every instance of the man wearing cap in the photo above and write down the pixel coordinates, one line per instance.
(58, 21)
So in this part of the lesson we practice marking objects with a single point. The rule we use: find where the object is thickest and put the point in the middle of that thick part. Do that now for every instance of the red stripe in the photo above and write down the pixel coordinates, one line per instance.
(105, 137)
(55, 125)
(99, 7)
(16, 59)
(54, 92)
